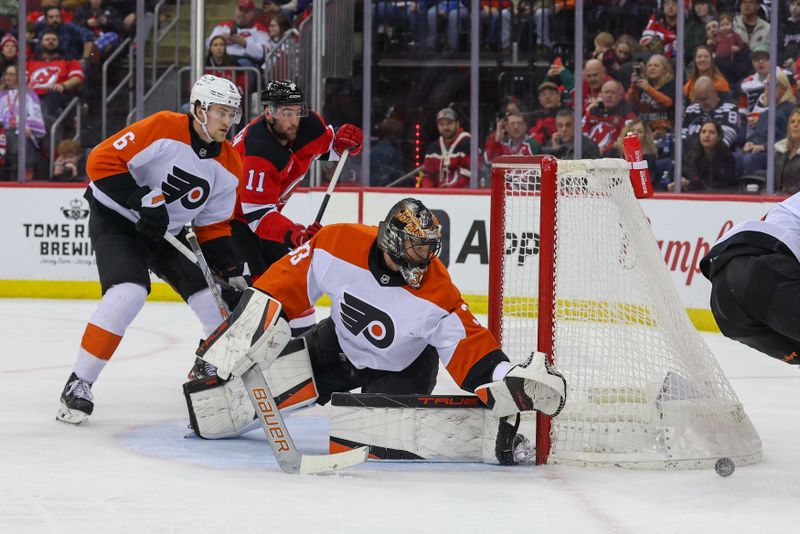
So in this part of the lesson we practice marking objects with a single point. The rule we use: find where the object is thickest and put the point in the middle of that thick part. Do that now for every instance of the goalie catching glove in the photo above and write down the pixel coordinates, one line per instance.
(532, 386)
(254, 333)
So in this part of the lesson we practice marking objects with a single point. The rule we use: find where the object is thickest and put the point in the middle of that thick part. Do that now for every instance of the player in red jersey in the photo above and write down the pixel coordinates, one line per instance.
(277, 150)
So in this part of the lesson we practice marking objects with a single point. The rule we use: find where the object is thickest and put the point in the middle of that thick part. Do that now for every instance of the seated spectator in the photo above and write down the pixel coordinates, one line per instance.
(707, 106)
(649, 150)
(69, 165)
(562, 143)
(447, 161)
(787, 158)
(277, 28)
(37, 15)
(604, 51)
(495, 20)
(652, 94)
(246, 40)
(545, 116)
(562, 77)
(712, 29)
(104, 21)
(511, 105)
(34, 128)
(594, 76)
(789, 35)
(75, 41)
(700, 15)
(751, 28)
(217, 56)
(753, 157)
(385, 156)
(511, 139)
(542, 11)
(625, 49)
(729, 50)
(663, 27)
(708, 164)
(9, 47)
(752, 87)
(704, 65)
(127, 10)
(604, 121)
(394, 18)
(456, 15)
(52, 77)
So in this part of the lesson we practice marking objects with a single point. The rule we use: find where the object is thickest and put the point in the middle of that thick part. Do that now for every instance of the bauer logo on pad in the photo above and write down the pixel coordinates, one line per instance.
(359, 317)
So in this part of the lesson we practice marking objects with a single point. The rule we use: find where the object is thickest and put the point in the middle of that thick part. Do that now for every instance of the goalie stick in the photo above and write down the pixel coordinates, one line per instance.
(289, 459)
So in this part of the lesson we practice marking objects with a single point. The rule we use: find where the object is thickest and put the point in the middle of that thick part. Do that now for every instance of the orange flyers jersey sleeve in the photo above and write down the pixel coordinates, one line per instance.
(199, 181)
(380, 321)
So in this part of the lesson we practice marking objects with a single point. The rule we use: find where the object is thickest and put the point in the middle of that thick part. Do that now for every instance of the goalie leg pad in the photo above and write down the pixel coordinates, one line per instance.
(219, 409)
(254, 333)
(533, 386)
(439, 428)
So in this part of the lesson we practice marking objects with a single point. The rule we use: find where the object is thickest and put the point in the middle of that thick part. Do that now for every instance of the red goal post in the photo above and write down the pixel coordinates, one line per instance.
(575, 272)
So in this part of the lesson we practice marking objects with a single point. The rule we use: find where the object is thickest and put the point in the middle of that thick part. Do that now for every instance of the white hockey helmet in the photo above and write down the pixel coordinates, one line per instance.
(210, 89)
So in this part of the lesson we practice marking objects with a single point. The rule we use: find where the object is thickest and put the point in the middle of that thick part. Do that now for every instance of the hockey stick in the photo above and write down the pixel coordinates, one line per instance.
(289, 458)
(334, 180)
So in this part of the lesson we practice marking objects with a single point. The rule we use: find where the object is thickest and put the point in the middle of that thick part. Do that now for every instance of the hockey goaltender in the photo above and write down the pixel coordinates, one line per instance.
(394, 314)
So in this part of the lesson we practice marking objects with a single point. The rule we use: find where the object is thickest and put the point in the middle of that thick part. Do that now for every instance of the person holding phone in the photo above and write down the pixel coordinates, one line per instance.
(652, 93)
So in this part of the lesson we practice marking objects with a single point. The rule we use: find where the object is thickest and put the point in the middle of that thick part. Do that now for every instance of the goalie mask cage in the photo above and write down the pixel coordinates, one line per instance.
(575, 272)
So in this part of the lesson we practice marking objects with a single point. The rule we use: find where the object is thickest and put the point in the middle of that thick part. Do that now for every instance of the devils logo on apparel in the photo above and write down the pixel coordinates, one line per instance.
(190, 189)
(359, 317)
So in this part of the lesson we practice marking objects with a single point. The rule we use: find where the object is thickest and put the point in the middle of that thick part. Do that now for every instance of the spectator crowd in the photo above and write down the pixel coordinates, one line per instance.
(628, 82)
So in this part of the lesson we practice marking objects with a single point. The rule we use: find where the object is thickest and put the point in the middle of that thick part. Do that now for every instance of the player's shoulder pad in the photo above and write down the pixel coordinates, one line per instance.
(310, 129)
(347, 235)
(260, 143)
(438, 288)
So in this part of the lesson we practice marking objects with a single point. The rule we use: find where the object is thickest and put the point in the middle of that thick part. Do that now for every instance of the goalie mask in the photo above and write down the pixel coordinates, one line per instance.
(209, 90)
(412, 237)
(279, 93)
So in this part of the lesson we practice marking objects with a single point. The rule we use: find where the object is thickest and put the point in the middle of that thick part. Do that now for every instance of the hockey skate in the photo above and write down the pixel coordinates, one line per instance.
(76, 401)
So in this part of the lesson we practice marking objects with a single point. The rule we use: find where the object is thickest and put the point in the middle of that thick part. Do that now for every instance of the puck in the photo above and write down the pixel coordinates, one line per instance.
(725, 467)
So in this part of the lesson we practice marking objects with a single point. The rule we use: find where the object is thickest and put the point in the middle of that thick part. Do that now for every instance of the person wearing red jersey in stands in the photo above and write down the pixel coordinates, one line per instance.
(447, 160)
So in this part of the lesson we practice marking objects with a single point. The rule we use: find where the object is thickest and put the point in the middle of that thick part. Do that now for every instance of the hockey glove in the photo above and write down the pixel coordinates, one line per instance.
(153, 216)
(234, 276)
(348, 136)
(532, 386)
(299, 234)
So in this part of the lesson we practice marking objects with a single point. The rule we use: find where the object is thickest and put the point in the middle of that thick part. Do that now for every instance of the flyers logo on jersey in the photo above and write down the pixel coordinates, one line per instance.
(191, 190)
(362, 318)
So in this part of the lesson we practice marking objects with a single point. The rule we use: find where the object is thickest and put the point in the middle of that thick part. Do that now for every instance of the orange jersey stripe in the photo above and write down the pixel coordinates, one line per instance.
(212, 231)
(98, 342)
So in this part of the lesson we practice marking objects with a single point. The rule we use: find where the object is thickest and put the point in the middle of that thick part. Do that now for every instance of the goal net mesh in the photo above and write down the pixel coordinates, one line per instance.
(644, 390)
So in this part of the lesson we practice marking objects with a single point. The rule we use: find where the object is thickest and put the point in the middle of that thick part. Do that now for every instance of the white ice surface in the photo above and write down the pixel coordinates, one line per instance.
(130, 468)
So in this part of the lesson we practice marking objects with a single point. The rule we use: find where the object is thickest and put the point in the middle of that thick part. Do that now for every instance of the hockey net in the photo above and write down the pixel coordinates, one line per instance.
(575, 272)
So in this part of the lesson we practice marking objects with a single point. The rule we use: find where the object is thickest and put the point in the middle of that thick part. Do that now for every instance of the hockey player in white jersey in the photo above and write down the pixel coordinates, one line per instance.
(153, 177)
(754, 270)
(395, 314)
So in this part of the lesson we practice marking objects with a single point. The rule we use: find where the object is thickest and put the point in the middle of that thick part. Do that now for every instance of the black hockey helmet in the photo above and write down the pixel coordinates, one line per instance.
(282, 93)
(410, 224)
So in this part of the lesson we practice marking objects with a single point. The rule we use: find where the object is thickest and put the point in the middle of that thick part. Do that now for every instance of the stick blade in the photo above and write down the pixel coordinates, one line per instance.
(315, 464)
